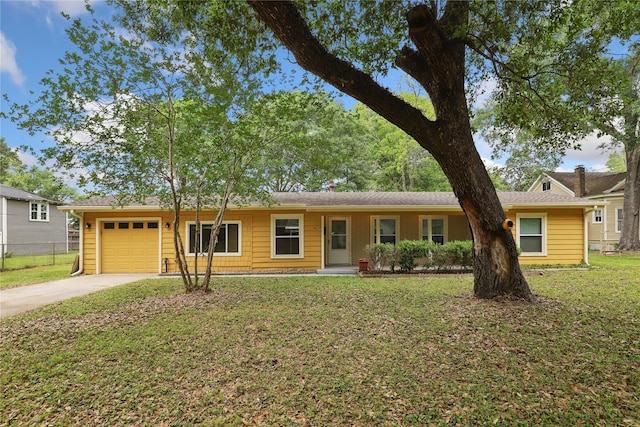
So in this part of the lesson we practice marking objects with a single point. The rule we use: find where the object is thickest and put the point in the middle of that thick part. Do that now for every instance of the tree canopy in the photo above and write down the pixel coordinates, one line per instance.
(591, 85)
(33, 179)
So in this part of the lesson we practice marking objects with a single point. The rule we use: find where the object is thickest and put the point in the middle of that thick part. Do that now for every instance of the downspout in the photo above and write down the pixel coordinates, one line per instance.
(585, 234)
(4, 238)
(80, 242)
(323, 237)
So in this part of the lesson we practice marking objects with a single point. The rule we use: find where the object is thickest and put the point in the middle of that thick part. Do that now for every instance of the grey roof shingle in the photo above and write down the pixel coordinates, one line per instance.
(373, 199)
(15, 194)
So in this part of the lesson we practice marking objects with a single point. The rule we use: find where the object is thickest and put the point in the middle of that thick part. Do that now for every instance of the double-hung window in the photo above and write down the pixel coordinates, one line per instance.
(229, 238)
(546, 186)
(287, 236)
(38, 211)
(532, 233)
(619, 219)
(385, 229)
(597, 216)
(433, 229)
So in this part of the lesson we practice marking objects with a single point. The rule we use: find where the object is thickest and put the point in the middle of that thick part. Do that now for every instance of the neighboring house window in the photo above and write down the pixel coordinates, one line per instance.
(597, 216)
(546, 186)
(229, 238)
(619, 218)
(385, 229)
(433, 229)
(38, 211)
(287, 236)
(532, 233)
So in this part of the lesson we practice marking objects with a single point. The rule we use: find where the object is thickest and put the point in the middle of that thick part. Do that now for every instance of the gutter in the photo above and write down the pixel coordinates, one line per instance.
(80, 242)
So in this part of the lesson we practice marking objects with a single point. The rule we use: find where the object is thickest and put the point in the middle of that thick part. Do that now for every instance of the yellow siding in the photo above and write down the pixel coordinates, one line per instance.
(312, 241)
(565, 236)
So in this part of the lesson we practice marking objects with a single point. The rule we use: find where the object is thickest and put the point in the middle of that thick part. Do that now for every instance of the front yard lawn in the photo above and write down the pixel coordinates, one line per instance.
(329, 351)
(29, 270)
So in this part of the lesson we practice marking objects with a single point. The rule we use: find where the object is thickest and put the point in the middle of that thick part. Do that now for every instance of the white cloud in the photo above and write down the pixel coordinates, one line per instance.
(484, 92)
(592, 154)
(490, 164)
(8, 62)
(27, 159)
(70, 7)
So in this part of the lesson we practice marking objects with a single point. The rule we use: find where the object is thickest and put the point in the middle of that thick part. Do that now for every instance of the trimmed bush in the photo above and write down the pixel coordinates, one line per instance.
(406, 254)
(453, 254)
(410, 250)
(380, 255)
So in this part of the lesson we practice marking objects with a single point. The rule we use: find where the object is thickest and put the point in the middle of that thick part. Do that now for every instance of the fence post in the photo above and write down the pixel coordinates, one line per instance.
(53, 249)
(2, 255)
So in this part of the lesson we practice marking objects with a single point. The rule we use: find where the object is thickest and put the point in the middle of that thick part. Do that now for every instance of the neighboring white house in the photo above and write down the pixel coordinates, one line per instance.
(30, 224)
(606, 189)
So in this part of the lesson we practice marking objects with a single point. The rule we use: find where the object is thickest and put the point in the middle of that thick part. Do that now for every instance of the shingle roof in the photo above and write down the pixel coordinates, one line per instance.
(596, 183)
(375, 199)
(15, 194)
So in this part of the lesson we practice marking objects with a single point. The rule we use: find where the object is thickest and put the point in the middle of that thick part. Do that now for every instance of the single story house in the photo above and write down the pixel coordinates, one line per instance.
(308, 232)
(30, 224)
(604, 189)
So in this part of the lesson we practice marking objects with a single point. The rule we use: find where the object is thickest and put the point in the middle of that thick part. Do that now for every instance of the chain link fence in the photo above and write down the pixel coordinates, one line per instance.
(25, 255)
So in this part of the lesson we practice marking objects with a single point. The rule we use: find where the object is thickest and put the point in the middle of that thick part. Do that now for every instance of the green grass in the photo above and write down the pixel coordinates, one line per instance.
(329, 351)
(20, 271)
(614, 261)
(29, 261)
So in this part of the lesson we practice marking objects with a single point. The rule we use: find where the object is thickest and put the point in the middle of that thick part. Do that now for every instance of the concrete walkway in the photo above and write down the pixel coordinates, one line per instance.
(24, 298)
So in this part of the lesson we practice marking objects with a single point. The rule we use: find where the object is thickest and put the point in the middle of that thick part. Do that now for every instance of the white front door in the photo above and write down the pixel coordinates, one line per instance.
(338, 241)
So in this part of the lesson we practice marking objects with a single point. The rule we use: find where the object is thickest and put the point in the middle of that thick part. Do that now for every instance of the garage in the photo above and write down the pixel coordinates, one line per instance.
(129, 246)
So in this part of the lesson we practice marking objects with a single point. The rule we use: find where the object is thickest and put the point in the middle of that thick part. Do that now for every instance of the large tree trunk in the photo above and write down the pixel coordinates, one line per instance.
(630, 237)
(438, 65)
(495, 264)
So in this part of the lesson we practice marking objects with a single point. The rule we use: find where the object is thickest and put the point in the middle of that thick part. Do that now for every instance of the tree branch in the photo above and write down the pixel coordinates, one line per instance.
(284, 19)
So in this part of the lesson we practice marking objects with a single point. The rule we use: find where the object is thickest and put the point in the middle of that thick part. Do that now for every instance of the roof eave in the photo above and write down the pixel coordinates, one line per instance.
(81, 208)
(547, 205)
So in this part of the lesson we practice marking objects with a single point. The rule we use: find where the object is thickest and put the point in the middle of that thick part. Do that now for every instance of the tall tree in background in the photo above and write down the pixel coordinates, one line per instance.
(401, 164)
(617, 162)
(32, 179)
(324, 144)
(525, 158)
(590, 87)
(9, 161)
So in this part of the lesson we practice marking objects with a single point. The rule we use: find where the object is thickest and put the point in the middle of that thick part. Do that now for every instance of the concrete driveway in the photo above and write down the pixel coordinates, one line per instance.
(24, 298)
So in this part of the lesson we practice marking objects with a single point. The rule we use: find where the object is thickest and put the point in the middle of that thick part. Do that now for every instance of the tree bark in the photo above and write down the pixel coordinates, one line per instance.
(630, 235)
(438, 65)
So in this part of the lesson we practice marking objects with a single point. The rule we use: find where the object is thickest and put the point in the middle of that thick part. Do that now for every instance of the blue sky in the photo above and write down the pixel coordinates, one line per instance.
(33, 38)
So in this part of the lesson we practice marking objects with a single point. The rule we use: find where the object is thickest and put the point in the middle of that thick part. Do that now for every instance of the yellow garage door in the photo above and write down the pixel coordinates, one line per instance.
(129, 246)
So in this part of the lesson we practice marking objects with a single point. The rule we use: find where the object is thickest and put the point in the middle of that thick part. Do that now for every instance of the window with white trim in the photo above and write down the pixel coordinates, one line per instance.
(546, 186)
(229, 238)
(433, 229)
(287, 236)
(532, 233)
(597, 216)
(385, 229)
(619, 219)
(38, 211)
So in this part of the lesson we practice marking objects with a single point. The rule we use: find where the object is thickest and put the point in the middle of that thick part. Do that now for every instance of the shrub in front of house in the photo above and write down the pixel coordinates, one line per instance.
(409, 251)
(453, 254)
(408, 254)
(380, 256)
